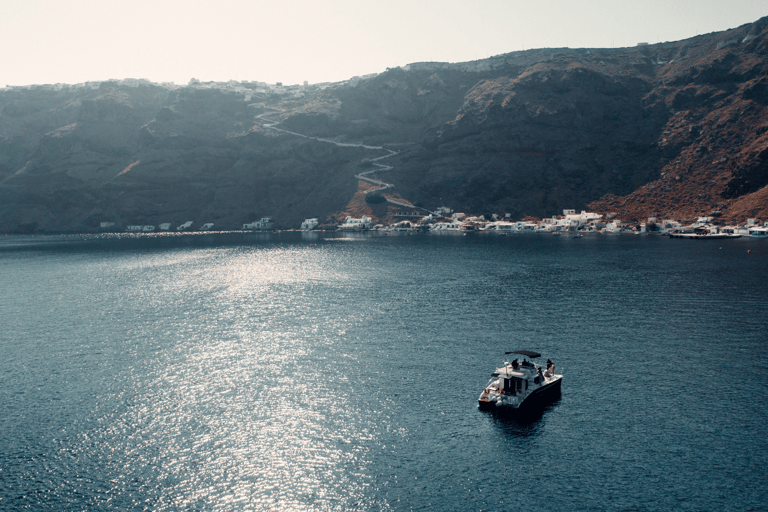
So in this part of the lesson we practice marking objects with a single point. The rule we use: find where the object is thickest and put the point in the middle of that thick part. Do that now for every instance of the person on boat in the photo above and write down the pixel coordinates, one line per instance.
(515, 364)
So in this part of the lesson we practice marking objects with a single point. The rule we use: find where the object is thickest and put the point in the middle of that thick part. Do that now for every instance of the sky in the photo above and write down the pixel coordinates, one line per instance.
(290, 41)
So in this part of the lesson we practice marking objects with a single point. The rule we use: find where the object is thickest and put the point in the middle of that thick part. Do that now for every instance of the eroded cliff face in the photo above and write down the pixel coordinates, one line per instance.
(673, 130)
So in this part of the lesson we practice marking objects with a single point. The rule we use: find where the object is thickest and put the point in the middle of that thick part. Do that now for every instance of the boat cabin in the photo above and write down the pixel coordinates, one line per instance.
(511, 381)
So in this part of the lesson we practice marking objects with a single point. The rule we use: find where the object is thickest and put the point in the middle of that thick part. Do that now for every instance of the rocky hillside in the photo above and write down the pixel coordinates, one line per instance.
(672, 130)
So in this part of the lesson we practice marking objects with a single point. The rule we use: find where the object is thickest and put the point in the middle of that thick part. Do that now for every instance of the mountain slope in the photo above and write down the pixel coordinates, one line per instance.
(673, 130)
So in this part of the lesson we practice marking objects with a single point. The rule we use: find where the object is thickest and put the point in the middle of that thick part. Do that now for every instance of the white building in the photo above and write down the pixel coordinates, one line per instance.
(264, 223)
(352, 224)
(309, 224)
(184, 226)
(206, 226)
(107, 224)
(446, 226)
(615, 226)
(165, 226)
(502, 226)
(582, 218)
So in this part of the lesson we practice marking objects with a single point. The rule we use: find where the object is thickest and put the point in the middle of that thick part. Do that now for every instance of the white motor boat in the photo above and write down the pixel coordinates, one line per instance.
(521, 385)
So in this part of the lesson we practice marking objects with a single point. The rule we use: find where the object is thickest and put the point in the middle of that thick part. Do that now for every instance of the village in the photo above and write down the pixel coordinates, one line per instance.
(445, 220)
(569, 222)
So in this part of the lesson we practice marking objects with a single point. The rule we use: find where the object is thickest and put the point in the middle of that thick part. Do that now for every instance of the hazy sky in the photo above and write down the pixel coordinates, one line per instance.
(71, 41)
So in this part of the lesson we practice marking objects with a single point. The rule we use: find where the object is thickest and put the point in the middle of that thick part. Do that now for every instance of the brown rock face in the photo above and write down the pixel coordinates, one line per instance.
(673, 130)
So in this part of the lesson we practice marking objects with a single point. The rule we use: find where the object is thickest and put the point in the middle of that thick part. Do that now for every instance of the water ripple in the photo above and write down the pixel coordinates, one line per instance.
(271, 372)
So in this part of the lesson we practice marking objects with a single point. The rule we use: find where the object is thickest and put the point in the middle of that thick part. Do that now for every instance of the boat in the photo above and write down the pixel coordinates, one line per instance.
(520, 386)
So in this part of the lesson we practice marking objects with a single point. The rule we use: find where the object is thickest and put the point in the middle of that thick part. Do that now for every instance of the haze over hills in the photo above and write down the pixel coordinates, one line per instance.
(671, 130)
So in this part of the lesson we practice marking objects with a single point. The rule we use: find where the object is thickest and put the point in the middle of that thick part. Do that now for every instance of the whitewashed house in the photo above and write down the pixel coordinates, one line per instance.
(615, 226)
(501, 225)
(446, 226)
(309, 224)
(264, 223)
(584, 218)
(352, 224)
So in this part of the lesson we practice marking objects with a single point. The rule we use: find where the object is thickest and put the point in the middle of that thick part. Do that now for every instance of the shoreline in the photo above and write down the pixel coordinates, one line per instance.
(374, 232)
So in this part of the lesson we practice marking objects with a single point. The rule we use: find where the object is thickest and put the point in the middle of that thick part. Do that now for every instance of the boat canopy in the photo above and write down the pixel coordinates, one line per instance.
(525, 353)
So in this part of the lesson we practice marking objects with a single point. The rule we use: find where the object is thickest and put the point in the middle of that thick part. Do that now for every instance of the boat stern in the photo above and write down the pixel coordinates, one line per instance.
(485, 404)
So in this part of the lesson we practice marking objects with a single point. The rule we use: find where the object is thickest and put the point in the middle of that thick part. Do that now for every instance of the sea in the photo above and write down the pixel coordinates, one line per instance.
(331, 372)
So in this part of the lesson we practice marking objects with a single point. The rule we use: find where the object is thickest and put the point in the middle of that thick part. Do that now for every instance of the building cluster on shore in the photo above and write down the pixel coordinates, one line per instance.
(444, 220)
(265, 223)
(150, 228)
(568, 222)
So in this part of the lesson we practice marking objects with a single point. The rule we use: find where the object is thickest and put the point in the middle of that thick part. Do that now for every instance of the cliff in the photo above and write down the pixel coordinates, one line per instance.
(672, 130)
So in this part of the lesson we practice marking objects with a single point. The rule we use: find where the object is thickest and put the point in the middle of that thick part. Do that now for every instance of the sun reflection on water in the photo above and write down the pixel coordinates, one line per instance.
(236, 411)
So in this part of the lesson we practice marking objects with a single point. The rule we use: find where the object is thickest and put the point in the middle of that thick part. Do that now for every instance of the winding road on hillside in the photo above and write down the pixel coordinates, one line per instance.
(380, 185)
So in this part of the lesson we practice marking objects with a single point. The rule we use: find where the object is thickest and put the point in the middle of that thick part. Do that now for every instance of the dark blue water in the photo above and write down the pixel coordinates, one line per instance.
(281, 372)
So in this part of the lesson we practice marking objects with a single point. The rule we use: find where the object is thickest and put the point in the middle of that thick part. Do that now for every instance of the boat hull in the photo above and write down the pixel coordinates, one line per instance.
(538, 399)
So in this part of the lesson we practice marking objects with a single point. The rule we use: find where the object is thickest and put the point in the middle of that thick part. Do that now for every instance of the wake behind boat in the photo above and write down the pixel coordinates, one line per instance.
(519, 386)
